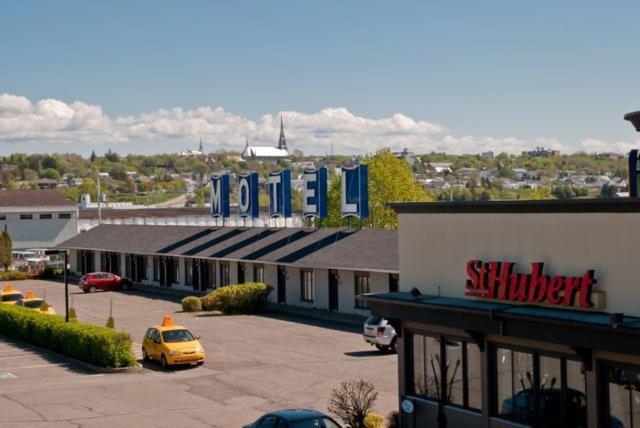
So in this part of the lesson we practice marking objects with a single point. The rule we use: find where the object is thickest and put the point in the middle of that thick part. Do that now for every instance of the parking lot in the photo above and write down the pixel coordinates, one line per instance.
(254, 364)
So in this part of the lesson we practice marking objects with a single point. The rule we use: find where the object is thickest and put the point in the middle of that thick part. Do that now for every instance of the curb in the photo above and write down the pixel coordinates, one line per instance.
(319, 314)
(84, 364)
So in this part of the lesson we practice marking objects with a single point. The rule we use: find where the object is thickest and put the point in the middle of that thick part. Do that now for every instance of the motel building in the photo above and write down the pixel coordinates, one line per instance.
(517, 313)
(325, 269)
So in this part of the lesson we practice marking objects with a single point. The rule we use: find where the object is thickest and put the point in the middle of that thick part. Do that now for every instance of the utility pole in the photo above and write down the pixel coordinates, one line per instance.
(99, 204)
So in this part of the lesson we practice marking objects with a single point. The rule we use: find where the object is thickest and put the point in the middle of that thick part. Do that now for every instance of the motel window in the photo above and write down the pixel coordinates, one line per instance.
(64, 216)
(156, 269)
(175, 279)
(26, 216)
(188, 273)
(362, 287)
(46, 216)
(212, 274)
(127, 265)
(306, 285)
(258, 273)
(224, 274)
(623, 396)
(532, 386)
(3, 217)
(446, 370)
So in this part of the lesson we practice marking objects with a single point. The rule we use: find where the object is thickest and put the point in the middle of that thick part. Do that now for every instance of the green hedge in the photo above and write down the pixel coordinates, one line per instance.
(247, 298)
(191, 304)
(100, 346)
(14, 275)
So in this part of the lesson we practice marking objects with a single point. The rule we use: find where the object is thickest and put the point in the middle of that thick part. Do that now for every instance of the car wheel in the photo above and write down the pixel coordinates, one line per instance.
(380, 347)
(394, 346)
(199, 363)
(92, 289)
(145, 356)
(164, 362)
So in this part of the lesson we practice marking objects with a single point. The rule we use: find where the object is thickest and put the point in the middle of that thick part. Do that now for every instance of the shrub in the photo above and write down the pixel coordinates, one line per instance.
(209, 302)
(93, 344)
(352, 401)
(247, 298)
(393, 419)
(50, 273)
(14, 275)
(111, 323)
(374, 420)
(73, 316)
(191, 304)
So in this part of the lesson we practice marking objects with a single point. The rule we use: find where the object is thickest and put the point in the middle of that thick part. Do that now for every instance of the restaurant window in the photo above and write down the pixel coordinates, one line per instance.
(623, 396)
(362, 287)
(26, 216)
(306, 285)
(258, 273)
(3, 217)
(64, 216)
(46, 216)
(188, 271)
(224, 274)
(535, 388)
(446, 370)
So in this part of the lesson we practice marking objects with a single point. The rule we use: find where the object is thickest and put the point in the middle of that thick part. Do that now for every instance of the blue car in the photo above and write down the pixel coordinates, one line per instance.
(294, 418)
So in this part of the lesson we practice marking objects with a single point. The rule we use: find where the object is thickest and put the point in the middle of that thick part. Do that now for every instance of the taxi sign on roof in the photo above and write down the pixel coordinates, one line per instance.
(30, 295)
(167, 321)
(8, 287)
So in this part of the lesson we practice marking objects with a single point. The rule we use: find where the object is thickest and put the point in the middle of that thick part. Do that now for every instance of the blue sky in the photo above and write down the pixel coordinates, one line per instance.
(485, 74)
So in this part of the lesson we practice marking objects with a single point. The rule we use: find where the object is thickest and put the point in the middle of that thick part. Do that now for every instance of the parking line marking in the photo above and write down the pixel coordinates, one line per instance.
(35, 366)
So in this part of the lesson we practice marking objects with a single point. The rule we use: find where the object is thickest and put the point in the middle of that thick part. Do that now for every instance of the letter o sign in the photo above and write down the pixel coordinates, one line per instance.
(244, 198)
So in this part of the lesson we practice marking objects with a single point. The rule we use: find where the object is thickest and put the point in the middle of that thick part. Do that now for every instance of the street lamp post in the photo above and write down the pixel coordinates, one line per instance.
(634, 159)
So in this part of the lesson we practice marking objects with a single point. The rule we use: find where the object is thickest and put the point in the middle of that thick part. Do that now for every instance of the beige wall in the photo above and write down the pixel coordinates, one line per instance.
(434, 249)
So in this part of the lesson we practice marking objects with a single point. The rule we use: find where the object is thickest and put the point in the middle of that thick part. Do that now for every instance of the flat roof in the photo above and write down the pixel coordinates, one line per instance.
(613, 205)
(330, 248)
(33, 198)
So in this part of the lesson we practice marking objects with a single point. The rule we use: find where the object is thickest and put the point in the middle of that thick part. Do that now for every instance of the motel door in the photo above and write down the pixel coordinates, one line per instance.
(241, 269)
(333, 290)
(282, 284)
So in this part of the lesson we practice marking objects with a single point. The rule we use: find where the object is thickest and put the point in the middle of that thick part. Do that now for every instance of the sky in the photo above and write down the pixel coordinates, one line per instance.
(457, 76)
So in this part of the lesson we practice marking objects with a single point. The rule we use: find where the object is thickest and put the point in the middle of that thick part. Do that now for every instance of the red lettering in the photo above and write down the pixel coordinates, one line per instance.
(518, 289)
(503, 279)
(472, 273)
(570, 288)
(538, 285)
(586, 286)
(554, 288)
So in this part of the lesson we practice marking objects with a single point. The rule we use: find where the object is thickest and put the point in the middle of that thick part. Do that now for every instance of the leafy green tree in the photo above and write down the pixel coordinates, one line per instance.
(608, 191)
(390, 180)
(93, 156)
(5, 249)
(50, 173)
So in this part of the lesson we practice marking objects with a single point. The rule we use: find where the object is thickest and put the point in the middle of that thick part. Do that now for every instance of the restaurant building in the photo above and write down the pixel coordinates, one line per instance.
(326, 269)
(517, 313)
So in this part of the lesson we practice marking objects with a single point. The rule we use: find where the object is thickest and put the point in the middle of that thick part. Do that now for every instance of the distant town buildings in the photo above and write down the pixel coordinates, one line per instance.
(268, 153)
(541, 152)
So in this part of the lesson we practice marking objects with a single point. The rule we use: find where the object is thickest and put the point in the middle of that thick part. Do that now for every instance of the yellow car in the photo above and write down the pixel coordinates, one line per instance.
(171, 344)
(10, 295)
(35, 304)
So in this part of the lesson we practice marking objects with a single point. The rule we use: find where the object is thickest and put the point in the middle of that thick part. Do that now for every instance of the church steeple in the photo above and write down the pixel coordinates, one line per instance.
(200, 146)
(282, 141)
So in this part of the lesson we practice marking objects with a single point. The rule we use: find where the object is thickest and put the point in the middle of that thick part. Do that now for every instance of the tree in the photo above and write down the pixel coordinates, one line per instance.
(93, 156)
(118, 172)
(50, 173)
(5, 249)
(352, 401)
(112, 156)
(390, 180)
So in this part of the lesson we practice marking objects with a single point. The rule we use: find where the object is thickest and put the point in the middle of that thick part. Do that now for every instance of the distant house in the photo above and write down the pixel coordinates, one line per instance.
(7, 167)
(488, 154)
(191, 153)
(405, 154)
(46, 183)
(268, 153)
(439, 167)
(520, 173)
(303, 165)
(466, 172)
(541, 152)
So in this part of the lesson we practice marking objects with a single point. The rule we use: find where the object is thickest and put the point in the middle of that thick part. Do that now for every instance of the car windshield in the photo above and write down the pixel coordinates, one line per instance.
(12, 297)
(315, 423)
(373, 320)
(172, 336)
(33, 303)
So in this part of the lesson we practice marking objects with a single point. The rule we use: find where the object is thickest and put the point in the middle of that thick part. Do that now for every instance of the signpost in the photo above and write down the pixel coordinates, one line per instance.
(66, 279)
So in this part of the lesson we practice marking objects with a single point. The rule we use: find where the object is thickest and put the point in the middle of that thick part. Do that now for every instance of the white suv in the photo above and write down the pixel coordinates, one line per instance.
(378, 332)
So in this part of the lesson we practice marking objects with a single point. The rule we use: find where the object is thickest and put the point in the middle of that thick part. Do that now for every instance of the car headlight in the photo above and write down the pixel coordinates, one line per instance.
(174, 353)
(199, 350)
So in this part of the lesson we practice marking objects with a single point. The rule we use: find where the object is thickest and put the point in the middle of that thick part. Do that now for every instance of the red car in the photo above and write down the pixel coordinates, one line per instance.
(92, 282)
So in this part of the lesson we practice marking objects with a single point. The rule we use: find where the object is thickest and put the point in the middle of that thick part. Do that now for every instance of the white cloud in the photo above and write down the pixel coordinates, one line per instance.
(591, 145)
(57, 122)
